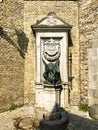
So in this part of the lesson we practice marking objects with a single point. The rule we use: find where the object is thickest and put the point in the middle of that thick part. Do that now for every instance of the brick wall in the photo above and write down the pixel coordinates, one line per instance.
(88, 21)
(11, 55)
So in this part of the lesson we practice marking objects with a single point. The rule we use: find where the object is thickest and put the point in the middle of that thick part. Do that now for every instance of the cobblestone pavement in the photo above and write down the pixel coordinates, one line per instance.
(77, 120)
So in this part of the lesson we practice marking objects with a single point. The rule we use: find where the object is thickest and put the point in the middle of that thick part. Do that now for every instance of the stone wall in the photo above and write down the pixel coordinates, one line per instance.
(36, 10)
(18, 62)
(11, 55)
(17, 87)
(88, 21)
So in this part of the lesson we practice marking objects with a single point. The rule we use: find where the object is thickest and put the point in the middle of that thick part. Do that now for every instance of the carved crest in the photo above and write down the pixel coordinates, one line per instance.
(51, 50)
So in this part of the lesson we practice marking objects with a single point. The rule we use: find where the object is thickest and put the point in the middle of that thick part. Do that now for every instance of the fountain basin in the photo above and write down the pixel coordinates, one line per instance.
(58, 124)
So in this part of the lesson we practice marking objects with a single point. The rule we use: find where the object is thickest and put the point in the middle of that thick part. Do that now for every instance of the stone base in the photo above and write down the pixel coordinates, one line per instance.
(55, 121)
(46, 98)
(93, 112)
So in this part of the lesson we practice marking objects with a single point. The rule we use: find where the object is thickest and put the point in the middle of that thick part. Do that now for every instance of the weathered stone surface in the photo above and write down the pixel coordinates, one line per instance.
(34, 11)
(11, 61)
(93, 112)
(93, 75)
(88, 15)
(26, 123)
(78, 120)
(16, 87)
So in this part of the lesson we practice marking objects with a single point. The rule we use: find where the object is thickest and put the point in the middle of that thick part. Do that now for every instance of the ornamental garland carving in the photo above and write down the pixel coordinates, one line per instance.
(51, 50)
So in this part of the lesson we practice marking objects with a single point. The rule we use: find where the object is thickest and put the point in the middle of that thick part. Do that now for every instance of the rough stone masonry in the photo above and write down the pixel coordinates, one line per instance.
(17, 65)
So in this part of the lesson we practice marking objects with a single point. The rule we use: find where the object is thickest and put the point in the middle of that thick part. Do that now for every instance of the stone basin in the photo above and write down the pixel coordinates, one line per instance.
(55, 124)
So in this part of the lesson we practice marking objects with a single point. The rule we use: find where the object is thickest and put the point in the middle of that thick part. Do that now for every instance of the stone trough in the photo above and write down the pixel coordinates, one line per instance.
(56, 121)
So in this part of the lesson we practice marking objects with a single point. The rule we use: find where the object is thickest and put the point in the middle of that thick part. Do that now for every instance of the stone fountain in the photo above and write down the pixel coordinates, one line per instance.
(51, 72)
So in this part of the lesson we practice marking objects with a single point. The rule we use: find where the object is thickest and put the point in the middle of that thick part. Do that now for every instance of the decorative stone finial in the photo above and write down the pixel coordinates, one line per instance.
(51, 19)
(52, 14)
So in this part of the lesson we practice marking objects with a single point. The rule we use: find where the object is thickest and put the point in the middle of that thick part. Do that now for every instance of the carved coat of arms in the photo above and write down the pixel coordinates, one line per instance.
(51, 50)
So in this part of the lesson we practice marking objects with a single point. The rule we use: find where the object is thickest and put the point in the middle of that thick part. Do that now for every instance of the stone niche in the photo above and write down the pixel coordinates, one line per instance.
(51, 35)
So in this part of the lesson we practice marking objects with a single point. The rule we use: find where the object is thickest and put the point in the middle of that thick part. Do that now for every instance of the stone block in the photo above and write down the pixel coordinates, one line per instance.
(93, 111)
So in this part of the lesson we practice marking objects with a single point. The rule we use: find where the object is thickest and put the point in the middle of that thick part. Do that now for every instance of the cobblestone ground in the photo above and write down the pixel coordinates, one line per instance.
(77, 120)
(7, 118)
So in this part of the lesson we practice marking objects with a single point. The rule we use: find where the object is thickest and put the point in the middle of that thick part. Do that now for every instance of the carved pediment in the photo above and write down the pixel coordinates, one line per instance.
(51, 22)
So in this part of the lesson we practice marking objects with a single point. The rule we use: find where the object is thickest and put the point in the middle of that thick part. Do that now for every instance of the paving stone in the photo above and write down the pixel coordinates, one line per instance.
(26, 123)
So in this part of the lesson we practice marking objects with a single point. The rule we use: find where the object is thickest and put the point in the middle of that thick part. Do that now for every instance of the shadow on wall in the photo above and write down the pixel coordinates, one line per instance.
(70, 43)
(22, 40)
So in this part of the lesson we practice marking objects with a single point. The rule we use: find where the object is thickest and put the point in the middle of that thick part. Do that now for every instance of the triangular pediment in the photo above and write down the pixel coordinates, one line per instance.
(52, 20)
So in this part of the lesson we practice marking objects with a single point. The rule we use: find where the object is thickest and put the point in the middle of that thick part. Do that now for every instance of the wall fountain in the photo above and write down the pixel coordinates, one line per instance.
(52, 70)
